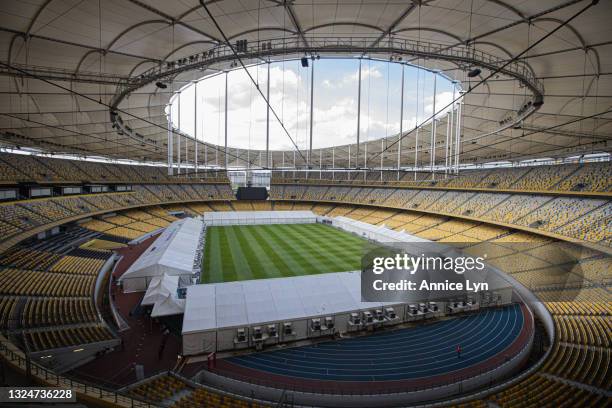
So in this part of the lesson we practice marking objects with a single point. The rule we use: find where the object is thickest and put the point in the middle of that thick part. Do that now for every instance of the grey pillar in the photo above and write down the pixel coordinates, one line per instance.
(320, 163)
(195, 126)
(433, 130)
(382, 149)
(225, 149)
(416, 149)
(358, 111)
(452, 131)
(448, 127)
(268, 119)
(458, 136)
(311, 110)
(170, 144)
(349, 164)
(333, 163)
(401, 131)
(178, 139)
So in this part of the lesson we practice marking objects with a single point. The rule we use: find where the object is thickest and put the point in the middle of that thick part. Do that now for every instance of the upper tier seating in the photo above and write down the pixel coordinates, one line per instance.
(20, 167)
(564, 177)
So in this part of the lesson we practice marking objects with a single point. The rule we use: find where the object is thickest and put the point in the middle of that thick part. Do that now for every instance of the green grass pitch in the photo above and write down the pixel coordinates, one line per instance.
(244, 252)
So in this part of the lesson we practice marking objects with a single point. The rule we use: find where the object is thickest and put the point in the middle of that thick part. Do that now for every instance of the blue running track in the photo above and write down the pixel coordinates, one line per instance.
(404, 354)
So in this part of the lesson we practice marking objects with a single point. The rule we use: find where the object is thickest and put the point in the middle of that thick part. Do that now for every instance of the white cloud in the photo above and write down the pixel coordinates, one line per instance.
(335, 110)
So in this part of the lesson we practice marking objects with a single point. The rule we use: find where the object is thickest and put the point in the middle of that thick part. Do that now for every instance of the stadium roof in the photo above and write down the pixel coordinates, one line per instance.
(67, 64)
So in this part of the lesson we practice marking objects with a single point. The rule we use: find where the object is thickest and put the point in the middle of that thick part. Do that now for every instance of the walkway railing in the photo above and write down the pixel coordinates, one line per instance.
(18, 360)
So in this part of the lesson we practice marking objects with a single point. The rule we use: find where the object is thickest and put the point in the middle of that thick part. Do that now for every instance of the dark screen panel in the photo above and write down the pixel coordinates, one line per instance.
(252, 193)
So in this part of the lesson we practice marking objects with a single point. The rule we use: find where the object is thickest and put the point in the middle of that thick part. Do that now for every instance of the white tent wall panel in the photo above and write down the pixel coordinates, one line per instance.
(227, 218)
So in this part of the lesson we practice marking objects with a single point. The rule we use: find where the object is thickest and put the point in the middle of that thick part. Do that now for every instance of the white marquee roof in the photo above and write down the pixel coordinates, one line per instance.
(169, 306)
(173, 252)
(159, 288)
(236, 304)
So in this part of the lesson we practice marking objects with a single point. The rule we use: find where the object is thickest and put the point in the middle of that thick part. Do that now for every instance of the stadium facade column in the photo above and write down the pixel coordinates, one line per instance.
(459, 133)
(348, 173)
(225, 132)
(195, 126)
(333, 163)
(186, 155)
(320, 163)
(448, 127)
(365, 155)
(268, 119)
(358, 113)
(170, 143)
(311, 111)
(457, 136)
(401, 132)
(449, 165)
(178, 138)
(433, 129)
(416, 149)
(382, 154)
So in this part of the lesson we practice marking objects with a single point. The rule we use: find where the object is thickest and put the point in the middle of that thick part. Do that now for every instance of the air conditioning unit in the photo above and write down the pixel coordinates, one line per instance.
(390, 313)
(379, 315)
(329, 322)
(272, 330)
(367, 316)
(355, 319)
(413, 309)
(433, 306)
(423, 307)
(240, 335)
(257, 334)
(287, 329)
(315, 324)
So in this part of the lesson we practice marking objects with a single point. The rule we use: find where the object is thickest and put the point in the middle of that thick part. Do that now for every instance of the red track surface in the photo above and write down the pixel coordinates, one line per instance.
(141, 342)
(356, 387)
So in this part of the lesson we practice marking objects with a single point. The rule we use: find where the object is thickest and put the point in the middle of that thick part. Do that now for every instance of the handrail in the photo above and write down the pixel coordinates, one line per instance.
(18, 360)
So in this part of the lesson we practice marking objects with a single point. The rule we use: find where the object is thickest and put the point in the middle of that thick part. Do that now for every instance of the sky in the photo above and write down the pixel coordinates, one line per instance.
(335, 103)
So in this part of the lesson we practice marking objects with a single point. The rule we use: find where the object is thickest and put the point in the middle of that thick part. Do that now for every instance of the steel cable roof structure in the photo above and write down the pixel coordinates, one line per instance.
(82, 77)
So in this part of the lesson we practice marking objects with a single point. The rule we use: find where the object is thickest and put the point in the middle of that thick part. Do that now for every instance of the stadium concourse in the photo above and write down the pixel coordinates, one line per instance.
(287, 141)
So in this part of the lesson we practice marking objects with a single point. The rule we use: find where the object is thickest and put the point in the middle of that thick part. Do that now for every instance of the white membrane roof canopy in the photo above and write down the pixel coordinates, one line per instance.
(67, 64)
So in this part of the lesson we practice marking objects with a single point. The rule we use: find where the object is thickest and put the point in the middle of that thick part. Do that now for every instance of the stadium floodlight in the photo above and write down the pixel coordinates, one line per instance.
(474, 73)
(161, 85)
(304, 61)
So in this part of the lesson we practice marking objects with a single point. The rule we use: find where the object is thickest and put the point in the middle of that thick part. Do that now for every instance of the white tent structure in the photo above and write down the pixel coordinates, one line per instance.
(159, 288)
(258, 217)
(379, 233)
(169, 306)
(213, 312)
(216, 313)
(173, 253)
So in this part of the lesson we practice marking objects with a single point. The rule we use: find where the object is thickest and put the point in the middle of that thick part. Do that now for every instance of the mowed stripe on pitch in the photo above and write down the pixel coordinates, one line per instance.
(337, 247)
(267, 251)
